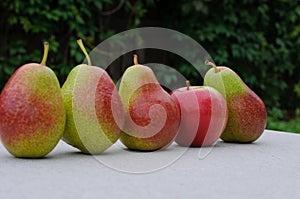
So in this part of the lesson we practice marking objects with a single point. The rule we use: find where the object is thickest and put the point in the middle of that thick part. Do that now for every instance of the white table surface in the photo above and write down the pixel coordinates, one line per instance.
(268, 168)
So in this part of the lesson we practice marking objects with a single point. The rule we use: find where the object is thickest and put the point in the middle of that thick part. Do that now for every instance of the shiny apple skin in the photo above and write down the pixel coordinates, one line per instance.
(204, 115)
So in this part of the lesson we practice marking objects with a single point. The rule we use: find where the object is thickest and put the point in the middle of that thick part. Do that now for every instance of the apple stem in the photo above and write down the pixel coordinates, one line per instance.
(188, 84)
(79, 42)
(46, 49)
(135, 59)
(213, 65)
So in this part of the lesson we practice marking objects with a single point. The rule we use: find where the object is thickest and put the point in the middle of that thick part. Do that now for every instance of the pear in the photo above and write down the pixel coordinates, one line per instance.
(32, 115)
(247, 116)
(94, 110)
(152, 117)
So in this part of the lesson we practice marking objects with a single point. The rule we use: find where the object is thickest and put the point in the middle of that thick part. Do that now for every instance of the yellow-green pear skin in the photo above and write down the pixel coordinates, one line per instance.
(94, 110)
(247, 115)
(152, 117)
(32, 115)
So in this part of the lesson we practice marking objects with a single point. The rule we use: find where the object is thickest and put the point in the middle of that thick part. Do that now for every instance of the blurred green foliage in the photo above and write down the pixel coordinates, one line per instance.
(25, 24)
(260, 40)
(291, 125)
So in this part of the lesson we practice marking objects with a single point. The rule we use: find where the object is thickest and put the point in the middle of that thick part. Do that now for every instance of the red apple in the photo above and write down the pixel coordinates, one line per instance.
(204, 115)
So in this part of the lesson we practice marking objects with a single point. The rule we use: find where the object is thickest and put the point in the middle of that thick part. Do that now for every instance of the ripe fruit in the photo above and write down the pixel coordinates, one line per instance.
(203, 115)
(247, 116)
(93, 106)
(152, 117)
(32, 115)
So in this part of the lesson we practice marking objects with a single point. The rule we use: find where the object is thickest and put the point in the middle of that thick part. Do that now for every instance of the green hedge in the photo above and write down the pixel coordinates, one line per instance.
(25, 24)
(260, 40)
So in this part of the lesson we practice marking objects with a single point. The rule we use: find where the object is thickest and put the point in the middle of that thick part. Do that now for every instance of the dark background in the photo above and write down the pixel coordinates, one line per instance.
(260, 40)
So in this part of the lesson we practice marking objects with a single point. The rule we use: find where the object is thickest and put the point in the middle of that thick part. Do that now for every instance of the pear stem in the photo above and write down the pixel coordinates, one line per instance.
(188, 84)
(46, 50)
(79, 42)
(213, 65)
(135, 59)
